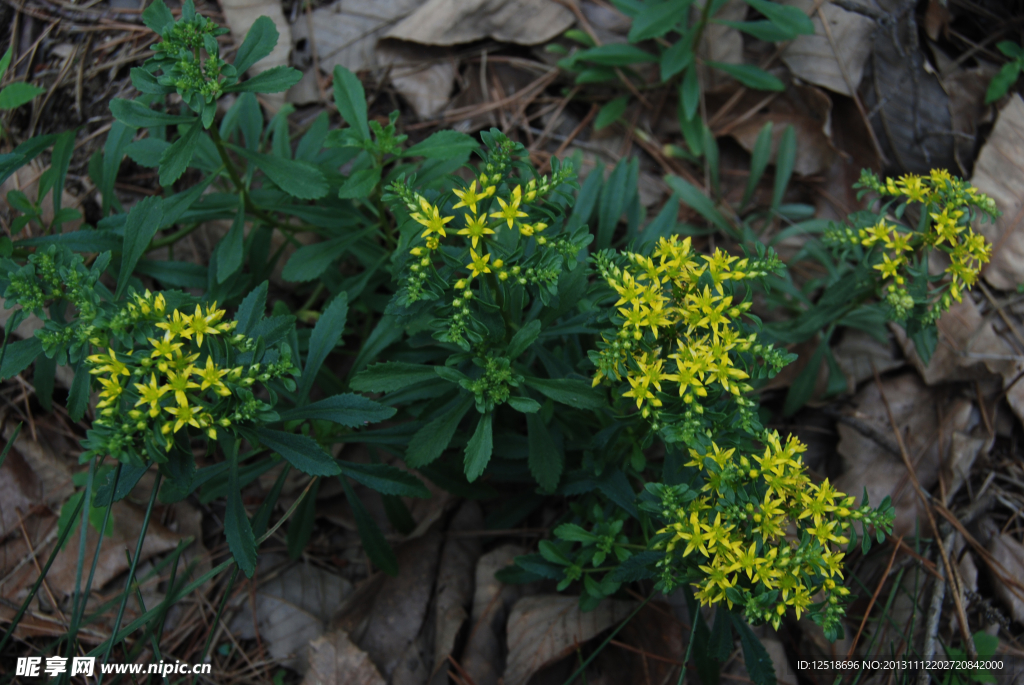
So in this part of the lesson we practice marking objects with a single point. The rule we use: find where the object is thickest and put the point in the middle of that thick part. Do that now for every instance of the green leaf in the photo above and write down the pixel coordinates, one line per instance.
(274, 80)
(360, 184)
(689, 93)
(85, 240)
(230, 250)
(350, 98)
(575, 393)
(545, 462)
(523, 338)
(258, 43)
(387, 480)
(300, 527)
(145, 82)
(610, 112)
(176, 158)
(762, 30)
(18, 356)
(479, 448)
(785, 159)
(574, 533)
(1007, 47)
(391, 376)
(78, 395)
(657, 19)
(17, 94)
(759, 157)
(345, 409)
(790, 19)
(443, 145)
(113, 152)
(750, 76)
(157, 17)
(299, 179)
(143, 221)
(677, 57)
(699, 202)
(146, 152)
(616, 55)
(252, 309)
(5, 61)
(803, 387)
(301, 451)
(524, 405)
(431, 440)
(376, 546)
(1001, 82)
(137, 115)
(237, 527)
(755, 656)
(325, 336)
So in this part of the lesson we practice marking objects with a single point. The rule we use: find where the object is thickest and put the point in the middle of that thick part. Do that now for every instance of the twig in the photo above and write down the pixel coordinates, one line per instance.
(961, 617)
(878, 589)
(934, 614)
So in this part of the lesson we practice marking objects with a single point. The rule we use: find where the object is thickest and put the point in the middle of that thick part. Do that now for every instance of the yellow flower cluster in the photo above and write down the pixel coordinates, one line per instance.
(757, 546)
(167, 371)
(677, 328)
(949, 203)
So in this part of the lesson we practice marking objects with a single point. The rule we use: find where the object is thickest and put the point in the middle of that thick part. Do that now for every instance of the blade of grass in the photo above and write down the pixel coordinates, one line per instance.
(216, 620)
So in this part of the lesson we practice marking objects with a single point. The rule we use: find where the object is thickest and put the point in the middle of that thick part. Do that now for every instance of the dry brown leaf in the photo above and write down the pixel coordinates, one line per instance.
(240, 15)
(967, 109)
(454, 588)
(1010, 555)
(858, 353)
(999, 173)
(656, 631)
(609, 24)
(808, 110)
(813, 59)
(482, 656)
(963, 451)
(401, 603)
(334, 660)
(292, 608)
(970, 349)
(784, 673)
(31, 475)
(545, 628)
(346, 32)
(867, 464)
(451, 22)
(424, 76)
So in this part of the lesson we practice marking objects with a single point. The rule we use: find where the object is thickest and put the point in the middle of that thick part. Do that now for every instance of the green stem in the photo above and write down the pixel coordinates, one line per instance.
(608, 639)
(173, 238)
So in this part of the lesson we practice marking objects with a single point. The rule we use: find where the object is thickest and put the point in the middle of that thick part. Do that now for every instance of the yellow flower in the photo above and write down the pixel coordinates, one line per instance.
(469, 197)
(510, 211)
(150, 394)
(175, 326)
(109, 364)
(200, 324)
(184, 415)
(111, 391)
(211, 377)
(890, 268)
(432, 219)
(476, 228)
(479, 263)
(179, 382)
(164, 348)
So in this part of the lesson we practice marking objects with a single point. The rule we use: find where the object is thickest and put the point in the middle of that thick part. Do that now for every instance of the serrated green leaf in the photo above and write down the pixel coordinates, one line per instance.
(157, 17)
(230, 250)
(523, 338)
(309, 262)
(143, 221)
(17, 94)
(750, 76)
(431, 441)
(545, 462)
(391, 376)
(443, 145)
(297, 178)
(252, 309)
(325, 336)
(176, 158)
(147, 152)
(574, 533)
(137, 115)
(274, 80)
(479, 448)
(18, 356)
(350, 99)
(360, 184)
(385, 479)
(345, 409)
(755, 656)
(259, 42)
(301, 451)
(575, 393)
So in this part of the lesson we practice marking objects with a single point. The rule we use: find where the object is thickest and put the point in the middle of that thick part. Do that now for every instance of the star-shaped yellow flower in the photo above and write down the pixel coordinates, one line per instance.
(510, 210)
(476, 228)
(479, 264)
